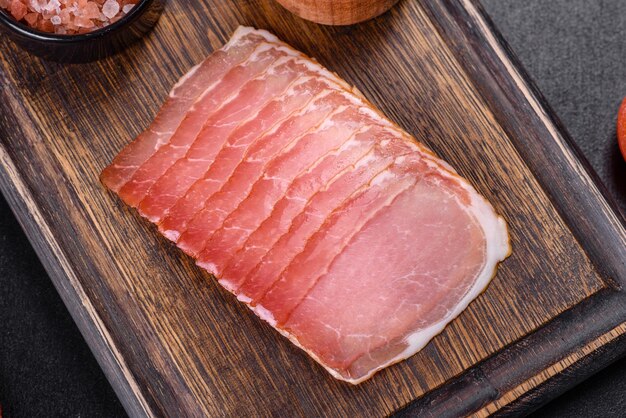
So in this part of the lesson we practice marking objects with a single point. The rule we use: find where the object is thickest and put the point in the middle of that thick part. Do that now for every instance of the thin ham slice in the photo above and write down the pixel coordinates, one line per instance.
(258, 153)
(334, 134)
(428, 218)
(214, 116)
(329, 221)
(274, 245)
(219, 249)
(271, 175)
(195, 165)
(188, 89)
(302, 272)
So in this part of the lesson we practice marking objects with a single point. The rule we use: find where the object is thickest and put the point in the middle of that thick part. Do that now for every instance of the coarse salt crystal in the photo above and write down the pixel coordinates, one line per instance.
(67, 16)
(91, 10)
(110, 8)
(18, 9)
(35, 6)
(52, 5)
(31, 18)
(83, 22)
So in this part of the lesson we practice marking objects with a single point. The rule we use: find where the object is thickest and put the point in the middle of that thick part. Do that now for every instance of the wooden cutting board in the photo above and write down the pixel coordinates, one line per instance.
(174, 343)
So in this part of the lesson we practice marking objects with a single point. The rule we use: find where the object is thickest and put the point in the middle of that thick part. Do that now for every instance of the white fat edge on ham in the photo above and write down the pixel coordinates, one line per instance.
(493, 226)
(239, 33)
(292, 56)
(166, 135)
(497, 249)
(184, 78)
(263, 47)
(311, 63)
(242, 31)
(236, 37)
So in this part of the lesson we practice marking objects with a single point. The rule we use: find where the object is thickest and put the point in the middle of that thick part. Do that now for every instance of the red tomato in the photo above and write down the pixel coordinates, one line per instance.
(621, 128)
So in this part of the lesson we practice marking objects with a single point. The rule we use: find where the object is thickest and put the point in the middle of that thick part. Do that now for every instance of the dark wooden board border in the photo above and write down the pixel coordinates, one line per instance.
(490, 380)
(481, 383)
(508, 89)
(54, 260)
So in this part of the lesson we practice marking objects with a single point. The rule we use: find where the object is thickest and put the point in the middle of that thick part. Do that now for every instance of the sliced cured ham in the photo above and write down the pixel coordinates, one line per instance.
(274, 179)
(256, 155)
(329, 221)
(332, 165)
(213, 116)
(170, 187)
(279, 246)
(184, 94)
(270, 172)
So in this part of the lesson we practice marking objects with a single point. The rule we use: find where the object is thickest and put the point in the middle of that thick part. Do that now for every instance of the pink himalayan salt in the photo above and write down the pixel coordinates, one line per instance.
(45, 26)
(110, 8)
(91, 10)
(67, 16)
(83, 22)
(18, 9)
(31, 18)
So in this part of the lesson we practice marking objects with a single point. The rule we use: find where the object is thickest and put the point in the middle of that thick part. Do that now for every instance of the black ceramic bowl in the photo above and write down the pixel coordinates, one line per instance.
(88, 46)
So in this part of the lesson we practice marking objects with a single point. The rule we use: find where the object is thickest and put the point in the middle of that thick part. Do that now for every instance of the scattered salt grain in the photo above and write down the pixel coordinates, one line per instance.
(18, 9)
(67, 16)
(31, 18)
(91, 10)
(110, 8)
(53, 5)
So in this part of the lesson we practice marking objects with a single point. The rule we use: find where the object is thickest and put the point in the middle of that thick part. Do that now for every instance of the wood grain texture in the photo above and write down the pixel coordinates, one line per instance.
(173, 342)
(337, 12)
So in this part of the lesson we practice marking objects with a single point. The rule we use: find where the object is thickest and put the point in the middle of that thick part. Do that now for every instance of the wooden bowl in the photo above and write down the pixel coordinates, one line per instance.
(337, 12)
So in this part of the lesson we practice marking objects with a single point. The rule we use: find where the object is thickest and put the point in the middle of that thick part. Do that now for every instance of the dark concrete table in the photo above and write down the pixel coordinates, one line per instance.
(575, 50)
